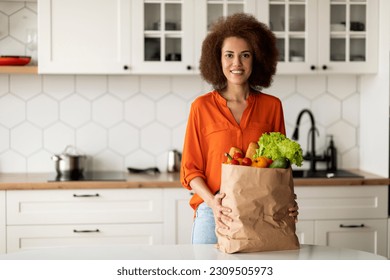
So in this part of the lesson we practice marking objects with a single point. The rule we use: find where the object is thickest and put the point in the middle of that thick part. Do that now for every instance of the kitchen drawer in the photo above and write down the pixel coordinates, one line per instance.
(45, 236)
(368, 235)
(86, 206)
(342, 202)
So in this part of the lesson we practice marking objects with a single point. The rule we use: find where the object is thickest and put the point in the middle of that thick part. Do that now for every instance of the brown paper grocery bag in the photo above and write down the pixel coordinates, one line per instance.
(259, 199)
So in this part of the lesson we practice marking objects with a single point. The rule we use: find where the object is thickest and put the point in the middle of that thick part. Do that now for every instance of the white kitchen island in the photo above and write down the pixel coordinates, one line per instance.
(185, 252)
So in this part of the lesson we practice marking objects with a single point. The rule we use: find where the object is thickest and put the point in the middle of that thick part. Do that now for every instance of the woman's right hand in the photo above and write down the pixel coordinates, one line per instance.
(213, 201)
(220, 212)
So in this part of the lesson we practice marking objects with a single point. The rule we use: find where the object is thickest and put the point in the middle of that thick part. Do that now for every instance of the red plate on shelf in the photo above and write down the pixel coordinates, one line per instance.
(14, 60)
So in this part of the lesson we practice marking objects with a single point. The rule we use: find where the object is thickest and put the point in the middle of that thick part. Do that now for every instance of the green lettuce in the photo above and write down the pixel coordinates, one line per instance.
(276, 145)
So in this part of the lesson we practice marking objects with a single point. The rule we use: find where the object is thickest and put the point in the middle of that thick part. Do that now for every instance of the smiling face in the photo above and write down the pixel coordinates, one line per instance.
(236, 61)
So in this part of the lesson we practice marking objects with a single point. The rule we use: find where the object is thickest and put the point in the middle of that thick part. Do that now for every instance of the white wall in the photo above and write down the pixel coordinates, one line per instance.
(374, 123)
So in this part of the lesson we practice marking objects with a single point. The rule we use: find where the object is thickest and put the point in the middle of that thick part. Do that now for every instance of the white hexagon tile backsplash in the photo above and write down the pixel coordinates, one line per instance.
(129, 120)
(119, 125)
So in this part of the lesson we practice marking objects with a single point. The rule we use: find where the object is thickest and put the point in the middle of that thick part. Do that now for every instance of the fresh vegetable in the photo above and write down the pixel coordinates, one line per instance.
(275, 145)
(234, 150)
(238, 155)
(261, 162)
(229, 157)
(246, 161)
(280, 163)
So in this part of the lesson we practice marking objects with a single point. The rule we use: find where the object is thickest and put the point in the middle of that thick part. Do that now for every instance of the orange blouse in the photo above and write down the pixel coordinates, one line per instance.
(212, 130)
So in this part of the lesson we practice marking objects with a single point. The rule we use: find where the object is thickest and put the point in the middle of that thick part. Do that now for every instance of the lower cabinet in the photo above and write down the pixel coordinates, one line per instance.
(368, 235)
(86, 217)
(305, 232)
(3, 239)
(353, 217)
(363, 235)
(178, 216)
(49, 218)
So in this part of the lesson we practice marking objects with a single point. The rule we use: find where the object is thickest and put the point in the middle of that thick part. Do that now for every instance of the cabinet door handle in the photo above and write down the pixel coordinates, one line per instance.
(352, 226)
(86, 195)
(86, 231)
(313, 67)
(324, 67)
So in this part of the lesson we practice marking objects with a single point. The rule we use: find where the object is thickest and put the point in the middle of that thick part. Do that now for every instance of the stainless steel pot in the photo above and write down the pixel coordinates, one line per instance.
(70, 162)
(174, 161)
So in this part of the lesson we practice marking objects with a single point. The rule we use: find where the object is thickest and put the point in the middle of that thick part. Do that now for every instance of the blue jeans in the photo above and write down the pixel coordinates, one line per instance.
(203, 228)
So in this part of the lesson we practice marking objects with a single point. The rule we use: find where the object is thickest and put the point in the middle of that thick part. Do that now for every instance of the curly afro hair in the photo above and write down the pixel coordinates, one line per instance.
(256, 34)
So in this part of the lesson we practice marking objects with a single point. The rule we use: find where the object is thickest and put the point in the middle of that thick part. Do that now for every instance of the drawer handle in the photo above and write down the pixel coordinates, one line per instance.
(86, 195)
(352, 226)
(85, 231)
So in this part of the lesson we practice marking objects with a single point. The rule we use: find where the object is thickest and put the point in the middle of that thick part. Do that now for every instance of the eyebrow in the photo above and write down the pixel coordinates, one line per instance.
(241, 52)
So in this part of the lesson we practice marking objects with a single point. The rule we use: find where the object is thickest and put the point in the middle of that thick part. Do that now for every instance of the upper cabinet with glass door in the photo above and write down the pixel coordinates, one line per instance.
(163, 36)
(295, 28)
(324, 36)
(349, 36)
(212, 11)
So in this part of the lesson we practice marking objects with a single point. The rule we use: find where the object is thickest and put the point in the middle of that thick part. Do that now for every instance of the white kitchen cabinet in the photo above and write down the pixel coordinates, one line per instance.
(352, 217)
(324, 36)
(165, 36)
(3, 235)
(84, 37)
(44, 218)
(162, 36)
(305, 231)
(388, 239)
(178, 216)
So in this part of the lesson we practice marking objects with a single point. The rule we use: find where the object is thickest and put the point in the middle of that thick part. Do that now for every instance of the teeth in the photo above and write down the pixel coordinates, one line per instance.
(237, 71)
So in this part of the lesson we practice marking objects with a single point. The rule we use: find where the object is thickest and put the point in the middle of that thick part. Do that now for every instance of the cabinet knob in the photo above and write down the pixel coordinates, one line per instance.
(125, 67)
(189, 67)
(324, 67)
(313, 67)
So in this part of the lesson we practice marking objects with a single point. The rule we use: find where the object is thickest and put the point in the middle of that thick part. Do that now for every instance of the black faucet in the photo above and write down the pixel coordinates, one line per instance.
(311, 156)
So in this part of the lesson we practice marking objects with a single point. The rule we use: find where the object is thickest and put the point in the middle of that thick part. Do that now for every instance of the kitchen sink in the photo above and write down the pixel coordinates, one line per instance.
(325, 174)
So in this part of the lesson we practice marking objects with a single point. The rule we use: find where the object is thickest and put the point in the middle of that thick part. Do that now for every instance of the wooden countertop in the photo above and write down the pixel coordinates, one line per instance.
(31, 181)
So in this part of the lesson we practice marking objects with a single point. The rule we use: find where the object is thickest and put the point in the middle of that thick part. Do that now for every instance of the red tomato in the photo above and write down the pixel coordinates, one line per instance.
(237, 155)
(246, 161)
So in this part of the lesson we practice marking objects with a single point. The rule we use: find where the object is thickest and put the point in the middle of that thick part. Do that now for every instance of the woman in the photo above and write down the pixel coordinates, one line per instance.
(239, 57)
